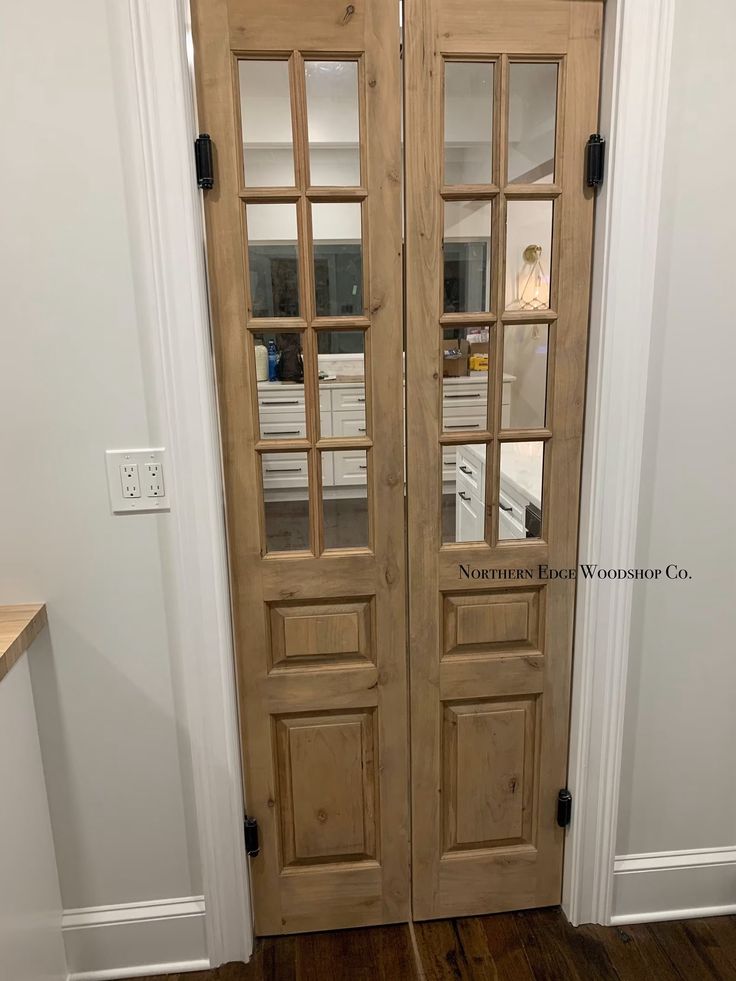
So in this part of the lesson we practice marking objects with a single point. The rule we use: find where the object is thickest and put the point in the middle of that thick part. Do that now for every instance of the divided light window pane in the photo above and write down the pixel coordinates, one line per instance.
(333, 121)
(338, 259)
(467, 257)
(265, 110)
(532, 123)
(468, 122)
(520, 491)
(528, 254)
(272, 259)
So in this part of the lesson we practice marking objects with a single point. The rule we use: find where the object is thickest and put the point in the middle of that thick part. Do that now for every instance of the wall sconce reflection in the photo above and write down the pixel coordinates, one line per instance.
(532, 282)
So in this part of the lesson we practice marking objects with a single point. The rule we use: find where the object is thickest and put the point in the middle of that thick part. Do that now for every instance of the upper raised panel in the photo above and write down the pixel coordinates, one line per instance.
(302, 632)
(488, 773)
(491, 622)
(327, 787)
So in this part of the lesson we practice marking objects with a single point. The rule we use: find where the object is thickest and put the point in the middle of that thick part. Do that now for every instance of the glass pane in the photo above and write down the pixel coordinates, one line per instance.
(345, 498)
(532, 120)
(286, 501)
(341, 372)
(520, 493)
(467, 256)
(523, 402)
(333, 123)
(265, 112)
(280, 376)
(464, 496)
(528, 253)
(338, 259)
(468, 122)
(465, 379)
(272, 260)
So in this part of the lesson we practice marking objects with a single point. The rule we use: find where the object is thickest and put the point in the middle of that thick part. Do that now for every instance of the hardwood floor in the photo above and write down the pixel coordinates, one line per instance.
(537, 945)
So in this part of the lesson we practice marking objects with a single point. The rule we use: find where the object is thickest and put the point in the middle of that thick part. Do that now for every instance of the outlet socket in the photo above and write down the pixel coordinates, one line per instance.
(136, 481)
(154, 480)
(130, 480)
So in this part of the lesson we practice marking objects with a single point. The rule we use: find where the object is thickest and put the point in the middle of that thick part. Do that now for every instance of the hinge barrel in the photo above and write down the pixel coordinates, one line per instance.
(252, 843)
(203, 162)
(564, 807)
(595, 151)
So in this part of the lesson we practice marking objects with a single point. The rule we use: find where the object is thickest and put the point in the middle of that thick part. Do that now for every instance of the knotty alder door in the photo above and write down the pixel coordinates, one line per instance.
(302, 102)
(500, 98)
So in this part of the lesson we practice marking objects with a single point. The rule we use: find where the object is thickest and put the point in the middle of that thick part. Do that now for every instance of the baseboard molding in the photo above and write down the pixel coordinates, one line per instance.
(133, 940)
(674, 885)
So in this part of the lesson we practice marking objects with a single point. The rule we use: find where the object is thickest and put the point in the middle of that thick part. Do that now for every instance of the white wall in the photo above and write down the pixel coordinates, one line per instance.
(678, 791)
(31, 948)
(74, 383)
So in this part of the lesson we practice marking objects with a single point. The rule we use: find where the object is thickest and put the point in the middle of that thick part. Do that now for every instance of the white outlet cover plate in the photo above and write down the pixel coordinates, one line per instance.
(114, 460)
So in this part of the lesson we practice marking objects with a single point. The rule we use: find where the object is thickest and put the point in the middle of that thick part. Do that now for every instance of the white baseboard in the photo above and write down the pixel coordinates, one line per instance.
(676, 885)
(133, 940)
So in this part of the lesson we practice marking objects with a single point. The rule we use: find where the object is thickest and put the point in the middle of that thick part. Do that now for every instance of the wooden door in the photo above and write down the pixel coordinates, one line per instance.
(302, 102)
(500, 100)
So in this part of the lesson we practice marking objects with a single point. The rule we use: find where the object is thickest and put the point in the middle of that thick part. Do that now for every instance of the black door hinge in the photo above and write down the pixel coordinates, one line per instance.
(564, 807)
(252, 845)
(203, 162)
(595, 150)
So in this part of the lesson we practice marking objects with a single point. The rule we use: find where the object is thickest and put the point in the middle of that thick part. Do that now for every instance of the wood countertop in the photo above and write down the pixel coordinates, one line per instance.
(19, 626)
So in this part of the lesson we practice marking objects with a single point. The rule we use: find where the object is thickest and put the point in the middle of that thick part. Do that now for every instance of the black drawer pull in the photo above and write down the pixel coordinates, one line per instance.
(472, 425)
(467, 471)
(464, 496)
(361, 429)
(465, 395)
(280, 402)
(362, 466)
(281, 432)
(284, 469)
(505, 507)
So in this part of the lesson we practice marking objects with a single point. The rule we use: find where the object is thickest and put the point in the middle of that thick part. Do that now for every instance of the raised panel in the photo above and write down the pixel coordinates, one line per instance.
(302, 632)
(488, 767)
(325, 766)
(491, 621)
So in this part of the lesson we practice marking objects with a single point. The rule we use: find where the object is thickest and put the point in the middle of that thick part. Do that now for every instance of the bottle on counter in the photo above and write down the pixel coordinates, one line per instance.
(273, 360)
(261, 363)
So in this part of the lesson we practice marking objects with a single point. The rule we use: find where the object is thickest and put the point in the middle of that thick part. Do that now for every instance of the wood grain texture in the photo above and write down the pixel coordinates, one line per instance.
(19, 626)
(339, 658)
(534, 946)
(478, 621)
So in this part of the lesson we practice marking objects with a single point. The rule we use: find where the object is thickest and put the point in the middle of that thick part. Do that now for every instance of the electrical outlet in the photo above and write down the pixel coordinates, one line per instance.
(154, 480)
(129, 480)
(135, 480)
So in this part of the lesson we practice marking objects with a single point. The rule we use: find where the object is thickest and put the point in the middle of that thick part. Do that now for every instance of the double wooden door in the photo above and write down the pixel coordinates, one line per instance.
(399, 323)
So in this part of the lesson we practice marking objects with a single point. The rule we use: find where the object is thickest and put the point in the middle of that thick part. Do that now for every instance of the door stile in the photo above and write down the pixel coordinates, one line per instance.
(422, 110)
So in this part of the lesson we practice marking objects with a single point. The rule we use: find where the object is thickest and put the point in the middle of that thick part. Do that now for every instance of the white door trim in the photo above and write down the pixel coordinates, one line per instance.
(636, 74)
(157, 106)
(170, 238)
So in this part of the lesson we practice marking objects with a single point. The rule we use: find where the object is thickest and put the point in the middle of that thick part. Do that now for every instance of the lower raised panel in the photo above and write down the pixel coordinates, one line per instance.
(325, 765)
(488, 773)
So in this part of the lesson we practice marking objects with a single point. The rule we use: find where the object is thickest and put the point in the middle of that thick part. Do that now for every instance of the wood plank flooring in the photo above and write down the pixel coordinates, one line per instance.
(536, 945)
